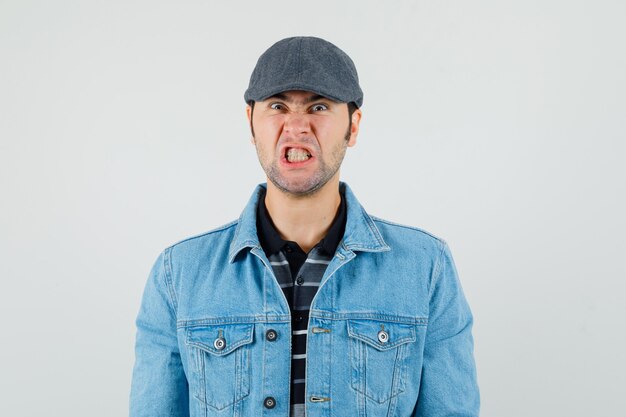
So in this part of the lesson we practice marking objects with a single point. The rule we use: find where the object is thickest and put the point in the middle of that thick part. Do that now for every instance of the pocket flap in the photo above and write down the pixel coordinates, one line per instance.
(368, 332)
(233, 335)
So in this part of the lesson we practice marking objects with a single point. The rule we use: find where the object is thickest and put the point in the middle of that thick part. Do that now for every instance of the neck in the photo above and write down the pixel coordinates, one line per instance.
(303, 219)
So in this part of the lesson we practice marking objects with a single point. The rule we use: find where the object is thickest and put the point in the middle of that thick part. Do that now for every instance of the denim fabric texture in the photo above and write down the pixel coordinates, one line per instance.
(389, 330)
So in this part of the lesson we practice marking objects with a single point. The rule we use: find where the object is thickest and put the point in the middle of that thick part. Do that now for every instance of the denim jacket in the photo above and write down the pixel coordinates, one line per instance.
(389, 330)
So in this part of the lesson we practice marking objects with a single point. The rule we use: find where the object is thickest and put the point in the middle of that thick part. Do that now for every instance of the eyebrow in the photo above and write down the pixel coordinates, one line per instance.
(314, 97)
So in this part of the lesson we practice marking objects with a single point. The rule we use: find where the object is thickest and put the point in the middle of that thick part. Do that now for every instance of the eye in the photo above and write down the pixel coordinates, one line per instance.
(277, 106)
(319, 107)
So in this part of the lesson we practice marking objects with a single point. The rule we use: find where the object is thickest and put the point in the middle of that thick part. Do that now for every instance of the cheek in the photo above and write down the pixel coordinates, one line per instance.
(331, 130)
(271, 126)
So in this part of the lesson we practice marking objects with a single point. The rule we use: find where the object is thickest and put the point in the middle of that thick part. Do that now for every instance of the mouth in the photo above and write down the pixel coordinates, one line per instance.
(295, 155)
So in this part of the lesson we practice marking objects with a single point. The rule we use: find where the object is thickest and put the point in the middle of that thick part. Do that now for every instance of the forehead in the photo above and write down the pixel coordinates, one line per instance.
(298, 97)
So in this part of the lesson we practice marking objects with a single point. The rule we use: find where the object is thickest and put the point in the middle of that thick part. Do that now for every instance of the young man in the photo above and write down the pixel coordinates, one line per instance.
(306, 305)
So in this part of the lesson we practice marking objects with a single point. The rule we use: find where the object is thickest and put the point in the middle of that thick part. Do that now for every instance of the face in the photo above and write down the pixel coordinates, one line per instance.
(301, 139)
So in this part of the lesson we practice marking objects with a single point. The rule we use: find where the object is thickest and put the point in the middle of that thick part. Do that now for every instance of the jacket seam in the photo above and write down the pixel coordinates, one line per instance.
(437, 269)
(210, 232)
(167, 264)
(417, 229)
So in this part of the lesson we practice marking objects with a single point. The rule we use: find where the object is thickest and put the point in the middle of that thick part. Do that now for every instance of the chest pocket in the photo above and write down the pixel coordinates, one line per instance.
(221, 360)
(378, 351)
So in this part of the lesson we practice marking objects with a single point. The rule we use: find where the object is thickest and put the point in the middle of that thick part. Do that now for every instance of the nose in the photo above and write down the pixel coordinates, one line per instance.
(297, 124)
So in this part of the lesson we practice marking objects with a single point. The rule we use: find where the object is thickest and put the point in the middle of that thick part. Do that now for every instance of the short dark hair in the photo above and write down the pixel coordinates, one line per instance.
(351, 109)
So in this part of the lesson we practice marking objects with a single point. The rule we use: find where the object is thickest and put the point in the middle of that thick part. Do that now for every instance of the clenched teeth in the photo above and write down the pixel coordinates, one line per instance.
(297, 155)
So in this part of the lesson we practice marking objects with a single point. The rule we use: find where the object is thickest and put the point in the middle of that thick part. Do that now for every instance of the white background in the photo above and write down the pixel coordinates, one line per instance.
(497, 125)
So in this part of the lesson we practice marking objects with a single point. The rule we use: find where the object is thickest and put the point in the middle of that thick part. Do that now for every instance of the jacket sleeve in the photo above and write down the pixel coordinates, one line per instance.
(159, 385)
(448, 383)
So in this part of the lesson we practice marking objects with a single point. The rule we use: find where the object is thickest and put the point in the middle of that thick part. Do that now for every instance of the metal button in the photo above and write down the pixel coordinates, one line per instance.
(288, 249)
(269, 402)
(219, 343)
(383, 337)
(271, 335)
(299, 280)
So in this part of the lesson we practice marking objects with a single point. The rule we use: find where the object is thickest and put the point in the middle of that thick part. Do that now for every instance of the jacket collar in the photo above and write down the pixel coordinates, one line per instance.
(361, 233)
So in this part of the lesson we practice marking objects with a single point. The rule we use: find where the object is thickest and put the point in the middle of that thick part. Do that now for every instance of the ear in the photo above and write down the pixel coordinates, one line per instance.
(249, 116)
(354, 129)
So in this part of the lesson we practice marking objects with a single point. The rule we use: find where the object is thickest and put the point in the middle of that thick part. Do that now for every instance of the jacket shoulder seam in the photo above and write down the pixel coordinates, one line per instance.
(171, 292)
(436, 274)
(417, 229)
(210, 232)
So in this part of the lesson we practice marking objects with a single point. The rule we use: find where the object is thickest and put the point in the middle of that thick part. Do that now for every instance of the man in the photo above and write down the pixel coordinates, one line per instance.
(306, 305)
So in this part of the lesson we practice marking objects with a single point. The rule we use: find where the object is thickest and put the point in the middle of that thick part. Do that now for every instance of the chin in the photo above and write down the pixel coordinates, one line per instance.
(297, 188)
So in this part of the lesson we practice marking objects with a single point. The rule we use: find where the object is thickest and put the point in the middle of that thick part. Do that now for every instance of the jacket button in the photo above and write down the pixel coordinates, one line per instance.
(269, 402)
(299, 280)
(383, 337)
(271, 335)
(219, 343)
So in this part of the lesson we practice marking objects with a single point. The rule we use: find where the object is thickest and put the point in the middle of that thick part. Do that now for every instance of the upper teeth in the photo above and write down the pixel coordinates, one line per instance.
(297, 155)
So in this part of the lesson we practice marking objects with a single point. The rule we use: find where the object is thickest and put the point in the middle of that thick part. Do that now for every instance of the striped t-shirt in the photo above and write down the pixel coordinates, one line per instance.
(298, 275)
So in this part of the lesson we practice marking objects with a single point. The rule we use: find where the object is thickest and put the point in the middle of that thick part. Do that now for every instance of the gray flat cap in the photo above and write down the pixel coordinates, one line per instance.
(305, 63)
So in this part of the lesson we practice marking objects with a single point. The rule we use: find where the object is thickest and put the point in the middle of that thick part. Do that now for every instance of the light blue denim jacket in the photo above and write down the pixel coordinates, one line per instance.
(389, 331)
